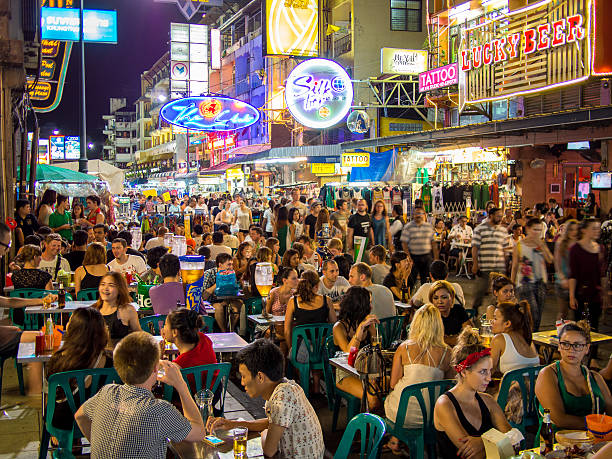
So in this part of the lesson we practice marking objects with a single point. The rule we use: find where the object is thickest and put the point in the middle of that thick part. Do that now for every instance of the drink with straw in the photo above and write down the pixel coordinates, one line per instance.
(240, 442)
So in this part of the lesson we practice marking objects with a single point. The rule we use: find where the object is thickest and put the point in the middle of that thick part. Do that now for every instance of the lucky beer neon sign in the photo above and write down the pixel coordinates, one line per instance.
(540, 38)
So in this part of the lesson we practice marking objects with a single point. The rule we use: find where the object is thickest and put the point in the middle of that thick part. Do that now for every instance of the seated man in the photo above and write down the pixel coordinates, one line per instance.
(380, 269)
(291, 427)
(123, 262)
(438, 270)
(383, 305)
(224, 262)
(332, 284)
(164, 297)
(218, 246)
(126, 420)
(152, 275)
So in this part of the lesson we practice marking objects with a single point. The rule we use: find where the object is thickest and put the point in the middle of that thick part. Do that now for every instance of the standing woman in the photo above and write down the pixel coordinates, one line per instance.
(283, 230)
(399, 274)
(380, 224)
(529, 274)
(295, 219)
(244, 218)
(45, 207)
(115, 305)
(562, 248)
(224, 217)
(322, 220)
(466, 405)
(395, 229)
(78, 213)
(588, 284)
(95, 214)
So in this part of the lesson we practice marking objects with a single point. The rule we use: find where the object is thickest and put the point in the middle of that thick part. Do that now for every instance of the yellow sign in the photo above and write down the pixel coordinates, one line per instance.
(356, 160)
(166, 197)
(147, 193)
(323, 168)
(292, 28)
(234, 173)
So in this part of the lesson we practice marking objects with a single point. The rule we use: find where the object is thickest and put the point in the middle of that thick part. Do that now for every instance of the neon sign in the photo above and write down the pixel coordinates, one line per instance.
(211, 114)
(319, 93)
(439, 78)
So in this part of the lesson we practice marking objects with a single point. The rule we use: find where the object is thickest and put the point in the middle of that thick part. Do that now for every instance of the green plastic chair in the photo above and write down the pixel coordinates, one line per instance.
(335, 395)
(371, 430)
(390, 330)
(204, 377)
(530, 408)
(313, 335)
(253, 305)
(33, 321)
(423, 437)
(153, 324)
(99, 378)
(209, 324)
(88, 294)
(19, 375)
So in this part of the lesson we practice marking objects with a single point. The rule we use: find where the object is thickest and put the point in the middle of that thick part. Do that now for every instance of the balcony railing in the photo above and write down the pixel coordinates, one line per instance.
(342, 45)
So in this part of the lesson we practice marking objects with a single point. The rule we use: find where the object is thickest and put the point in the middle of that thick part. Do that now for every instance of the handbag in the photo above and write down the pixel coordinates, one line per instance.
(226, 284)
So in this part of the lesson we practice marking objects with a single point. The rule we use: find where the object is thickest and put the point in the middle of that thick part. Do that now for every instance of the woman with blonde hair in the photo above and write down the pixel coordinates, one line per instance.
(454, 316)
(94, 267)
(424, 357)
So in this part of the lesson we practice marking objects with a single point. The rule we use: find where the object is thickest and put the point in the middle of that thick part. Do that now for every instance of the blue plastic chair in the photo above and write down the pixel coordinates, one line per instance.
(19, 376)
(88, 294)
(313, 337)
(371, 430)
(153, 324)
(390, 330)
(423, 437)
(98, 376)
(526, 379)
(210, 377)
(335, 395)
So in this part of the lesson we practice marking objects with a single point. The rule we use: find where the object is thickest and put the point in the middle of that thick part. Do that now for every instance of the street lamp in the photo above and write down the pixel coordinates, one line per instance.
(56, 131)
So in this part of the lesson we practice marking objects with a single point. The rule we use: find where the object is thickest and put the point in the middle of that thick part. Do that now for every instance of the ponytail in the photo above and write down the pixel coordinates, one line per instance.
(519, 315)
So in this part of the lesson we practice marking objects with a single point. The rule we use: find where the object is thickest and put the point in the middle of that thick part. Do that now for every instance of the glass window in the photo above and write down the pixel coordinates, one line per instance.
(406, 15)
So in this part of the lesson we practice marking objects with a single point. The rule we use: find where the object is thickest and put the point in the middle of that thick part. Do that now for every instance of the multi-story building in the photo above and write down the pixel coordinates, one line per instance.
(120, 130)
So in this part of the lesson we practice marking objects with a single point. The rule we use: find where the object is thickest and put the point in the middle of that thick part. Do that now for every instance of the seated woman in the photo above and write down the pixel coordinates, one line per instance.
(241, 260)
(512, 347)
(503, 291)
(83, 347)
(291, 259)
(278, 299)
(465, 406)
(94, 268)
(30, 276)
(115, 305)
(454, 317)
(569, 389)
(356, 324)
(397, 279)
(424, 357)
(308, 307)
(182, 328)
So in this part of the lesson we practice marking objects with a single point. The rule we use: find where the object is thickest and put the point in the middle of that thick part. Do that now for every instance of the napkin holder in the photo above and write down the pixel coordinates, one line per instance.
(498, 445)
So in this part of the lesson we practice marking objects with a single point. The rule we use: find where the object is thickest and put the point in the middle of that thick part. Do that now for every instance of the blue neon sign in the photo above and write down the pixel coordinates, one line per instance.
(210, 113)
(99, 26)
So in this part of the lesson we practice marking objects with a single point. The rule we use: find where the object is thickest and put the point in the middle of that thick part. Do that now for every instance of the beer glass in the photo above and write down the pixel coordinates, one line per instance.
(264, 280)
(240, 442)
(192, 268)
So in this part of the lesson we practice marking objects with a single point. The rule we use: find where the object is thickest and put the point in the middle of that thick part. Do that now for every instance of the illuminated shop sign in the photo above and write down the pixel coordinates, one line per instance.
(319, 93)
(292, 28)
(440, 77)
(99, 26)
(356, 159)
(73, 147)
(403, 61)
(210, 114)
(538, 47)
(57, 146)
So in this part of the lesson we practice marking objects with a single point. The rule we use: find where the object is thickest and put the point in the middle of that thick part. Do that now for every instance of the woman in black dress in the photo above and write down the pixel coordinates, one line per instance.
(30, 276)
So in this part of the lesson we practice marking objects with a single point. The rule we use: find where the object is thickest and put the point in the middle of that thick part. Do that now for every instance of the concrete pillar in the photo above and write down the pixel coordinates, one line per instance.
(605, 197)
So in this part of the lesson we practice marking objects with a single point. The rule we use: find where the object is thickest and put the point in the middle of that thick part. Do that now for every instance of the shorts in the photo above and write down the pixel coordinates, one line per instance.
(9, 347)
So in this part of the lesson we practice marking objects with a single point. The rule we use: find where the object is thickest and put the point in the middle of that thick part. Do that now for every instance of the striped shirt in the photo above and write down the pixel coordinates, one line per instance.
(491, 242)
(418, 237)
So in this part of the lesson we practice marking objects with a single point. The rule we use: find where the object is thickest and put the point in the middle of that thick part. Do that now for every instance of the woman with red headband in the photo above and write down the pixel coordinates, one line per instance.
(465, 412)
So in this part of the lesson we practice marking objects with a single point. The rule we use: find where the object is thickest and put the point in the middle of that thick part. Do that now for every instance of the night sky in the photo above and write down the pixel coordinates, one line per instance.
(113, 70)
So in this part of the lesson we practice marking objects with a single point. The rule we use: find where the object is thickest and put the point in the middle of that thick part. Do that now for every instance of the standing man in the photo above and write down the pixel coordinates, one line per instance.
(51, 260)
(295, 202)
(383, 305)
(27, 224)
(359, 225)
(488, 245)
(268, 219)
(310, 222)
(60, 221)
(461, 233)
(417, 237)
(554, 207)
(79, 246)
(340, 217)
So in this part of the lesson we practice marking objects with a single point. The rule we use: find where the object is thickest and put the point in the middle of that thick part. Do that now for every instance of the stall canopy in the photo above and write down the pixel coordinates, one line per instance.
(66, 181)
(104, 171)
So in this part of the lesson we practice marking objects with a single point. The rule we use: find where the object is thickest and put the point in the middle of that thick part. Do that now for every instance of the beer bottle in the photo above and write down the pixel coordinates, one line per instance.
(61, 297)
(547, 434)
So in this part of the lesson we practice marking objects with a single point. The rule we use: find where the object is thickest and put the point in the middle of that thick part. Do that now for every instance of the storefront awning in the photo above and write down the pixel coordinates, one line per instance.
(218, 168)
(246, 151)
(290, 152)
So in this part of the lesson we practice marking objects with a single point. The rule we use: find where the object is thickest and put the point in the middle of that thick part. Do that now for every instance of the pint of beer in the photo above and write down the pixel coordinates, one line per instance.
(264, 278)
(192, 268)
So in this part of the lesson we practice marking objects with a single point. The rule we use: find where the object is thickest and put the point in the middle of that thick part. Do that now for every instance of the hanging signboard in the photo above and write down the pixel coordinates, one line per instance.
(292, 28)
(57, 147)
(210, 114)
(319, 93)
(440, 77)
(99, 26)
(323, 168)
(356, 159)
(538, 47)
(403, 61)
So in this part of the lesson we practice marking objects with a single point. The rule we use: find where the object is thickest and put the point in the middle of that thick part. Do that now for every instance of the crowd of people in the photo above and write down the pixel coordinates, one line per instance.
(322, 275)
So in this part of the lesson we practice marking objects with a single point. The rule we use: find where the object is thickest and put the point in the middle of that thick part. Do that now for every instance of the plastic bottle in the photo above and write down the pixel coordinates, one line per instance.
(49, 334)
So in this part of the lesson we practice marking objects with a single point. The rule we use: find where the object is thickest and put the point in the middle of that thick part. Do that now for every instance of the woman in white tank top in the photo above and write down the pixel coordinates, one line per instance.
(423, 358)
(512, 347)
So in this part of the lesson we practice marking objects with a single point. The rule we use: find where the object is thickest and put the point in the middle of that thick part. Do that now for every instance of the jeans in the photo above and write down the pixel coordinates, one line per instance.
(535, 294)
(421, 268)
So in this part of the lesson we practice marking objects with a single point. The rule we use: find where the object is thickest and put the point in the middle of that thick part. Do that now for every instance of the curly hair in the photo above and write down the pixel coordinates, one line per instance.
(305, 288)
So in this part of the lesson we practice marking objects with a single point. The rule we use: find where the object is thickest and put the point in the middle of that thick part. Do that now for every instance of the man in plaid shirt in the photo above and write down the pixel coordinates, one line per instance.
(126, 420)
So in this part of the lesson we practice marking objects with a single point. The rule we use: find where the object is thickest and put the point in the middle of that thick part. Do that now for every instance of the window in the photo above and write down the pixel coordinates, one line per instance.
(406, 15)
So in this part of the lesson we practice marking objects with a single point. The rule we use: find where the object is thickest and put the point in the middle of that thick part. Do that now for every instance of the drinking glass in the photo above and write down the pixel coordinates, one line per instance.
(264, 280)
(204, 400)
(376, 341)
(240, 442)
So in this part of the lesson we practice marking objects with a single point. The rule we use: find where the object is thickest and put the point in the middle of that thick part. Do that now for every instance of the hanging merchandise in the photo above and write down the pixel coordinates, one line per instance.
(438, 200)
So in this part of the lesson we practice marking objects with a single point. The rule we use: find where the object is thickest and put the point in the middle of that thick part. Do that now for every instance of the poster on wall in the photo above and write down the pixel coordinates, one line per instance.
(57, 146)
(73, 147)
(292, 28)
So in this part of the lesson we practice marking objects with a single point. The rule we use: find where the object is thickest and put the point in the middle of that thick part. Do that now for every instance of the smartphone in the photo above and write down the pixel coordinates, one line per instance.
(213, 441)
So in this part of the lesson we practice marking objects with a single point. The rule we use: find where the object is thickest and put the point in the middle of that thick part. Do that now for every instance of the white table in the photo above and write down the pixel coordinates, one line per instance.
(342, 364)
(70, 306)
(260, 320)
(465, 249)
(227, 342)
